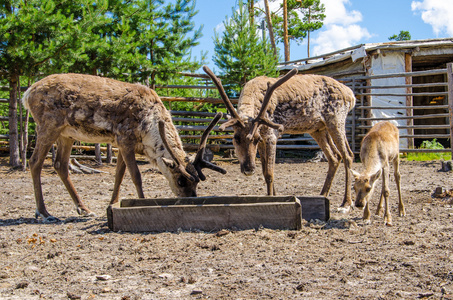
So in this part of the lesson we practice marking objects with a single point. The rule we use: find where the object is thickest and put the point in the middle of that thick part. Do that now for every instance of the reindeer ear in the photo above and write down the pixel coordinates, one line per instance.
(230, 122)
(375, 176)
(355, 174)
(169, 162)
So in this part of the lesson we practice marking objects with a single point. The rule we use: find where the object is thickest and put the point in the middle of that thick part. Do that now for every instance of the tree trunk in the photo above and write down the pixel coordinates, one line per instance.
(97, 153)
(251, 12)
(14, 158)
(285, 30)
(269, 26)
(97, 146)
(109, 154)
(23, 132)
(308, 34)
(25, 141)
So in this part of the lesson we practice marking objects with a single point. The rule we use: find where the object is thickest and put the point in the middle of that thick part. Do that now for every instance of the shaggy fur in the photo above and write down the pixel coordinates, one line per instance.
(312, 104)
(379, 148)
(69, 107)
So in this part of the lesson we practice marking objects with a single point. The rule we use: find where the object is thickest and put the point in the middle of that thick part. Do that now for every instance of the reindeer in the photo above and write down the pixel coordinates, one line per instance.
(312, 104)
(379, 147)
(69, 107)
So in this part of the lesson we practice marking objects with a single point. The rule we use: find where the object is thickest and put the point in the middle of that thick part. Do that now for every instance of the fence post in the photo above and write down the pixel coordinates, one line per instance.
(97, 153)
(353, 125)
(450, 101)
(409, 99)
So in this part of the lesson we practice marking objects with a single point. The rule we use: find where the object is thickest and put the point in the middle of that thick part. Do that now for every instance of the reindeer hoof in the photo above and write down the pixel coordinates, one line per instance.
(344, 210)
(50, 219)
(85, 212)
(91, 215)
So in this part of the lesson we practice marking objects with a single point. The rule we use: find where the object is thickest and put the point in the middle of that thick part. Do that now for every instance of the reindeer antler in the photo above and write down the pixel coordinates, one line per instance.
(199, 163)
(236, 119)
(173, 155)
(261, 119)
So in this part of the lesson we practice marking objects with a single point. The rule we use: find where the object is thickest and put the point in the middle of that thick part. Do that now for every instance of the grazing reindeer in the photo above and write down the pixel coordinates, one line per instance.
(379, 147)
(312, 104)
(69, 107)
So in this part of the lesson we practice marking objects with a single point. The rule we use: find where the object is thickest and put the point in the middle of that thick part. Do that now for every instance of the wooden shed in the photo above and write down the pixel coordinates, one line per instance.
(405, 81)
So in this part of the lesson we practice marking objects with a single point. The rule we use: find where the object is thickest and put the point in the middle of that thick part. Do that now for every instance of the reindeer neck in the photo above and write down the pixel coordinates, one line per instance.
(371, 158)
(252, 97)
(153, 145)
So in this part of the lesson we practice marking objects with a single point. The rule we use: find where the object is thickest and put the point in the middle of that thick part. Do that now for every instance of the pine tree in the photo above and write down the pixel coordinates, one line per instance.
(130, 40)
(32, 33)
(167, 41)
(241, 54)
(402, 36)
(304, 16)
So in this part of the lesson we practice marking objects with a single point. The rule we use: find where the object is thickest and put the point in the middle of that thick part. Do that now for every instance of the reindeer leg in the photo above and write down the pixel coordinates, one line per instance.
(128, 155)
(380, 205)
(267, 151)
(386, 193)
(333, 157)
(337, 132)
(64, 146)
(43, 145)
(119, 176)
(401, 209)
(366, 213)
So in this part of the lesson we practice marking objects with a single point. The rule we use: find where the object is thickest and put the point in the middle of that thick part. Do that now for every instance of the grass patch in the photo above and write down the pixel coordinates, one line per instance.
(425, 156)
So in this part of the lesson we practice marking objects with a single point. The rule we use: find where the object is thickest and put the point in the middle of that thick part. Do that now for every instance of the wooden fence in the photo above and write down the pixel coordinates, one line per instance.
(428, 121)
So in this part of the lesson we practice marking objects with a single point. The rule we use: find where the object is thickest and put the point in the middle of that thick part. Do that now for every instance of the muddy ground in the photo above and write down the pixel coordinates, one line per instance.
(80, 258)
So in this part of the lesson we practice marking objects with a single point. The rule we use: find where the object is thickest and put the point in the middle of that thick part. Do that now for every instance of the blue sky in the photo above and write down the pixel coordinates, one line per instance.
(347, 23)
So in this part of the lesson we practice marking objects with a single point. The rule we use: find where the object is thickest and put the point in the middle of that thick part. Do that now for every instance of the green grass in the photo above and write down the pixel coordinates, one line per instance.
(424, 156)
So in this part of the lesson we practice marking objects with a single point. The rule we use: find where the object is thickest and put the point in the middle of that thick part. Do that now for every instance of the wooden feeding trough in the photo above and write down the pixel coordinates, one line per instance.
(215, 213)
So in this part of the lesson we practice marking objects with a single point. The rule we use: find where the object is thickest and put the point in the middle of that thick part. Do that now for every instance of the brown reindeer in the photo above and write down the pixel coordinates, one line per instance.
(69, 107)
(312, 104)
(379, 147)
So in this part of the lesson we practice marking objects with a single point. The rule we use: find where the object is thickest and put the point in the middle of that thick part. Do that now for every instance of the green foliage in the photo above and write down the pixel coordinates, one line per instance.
(303, 16)
(402, 36)
(240, 53)
(35, 34)
(423, 156)
(3, 124)
(135, 40)
(130, 40)
(434, 144)
(184, 92)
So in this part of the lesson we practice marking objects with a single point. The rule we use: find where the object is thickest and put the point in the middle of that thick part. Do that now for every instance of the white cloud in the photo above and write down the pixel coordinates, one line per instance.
(340, 28)
(436, 13)
(337, 37)
(336, 13)
(219, 28)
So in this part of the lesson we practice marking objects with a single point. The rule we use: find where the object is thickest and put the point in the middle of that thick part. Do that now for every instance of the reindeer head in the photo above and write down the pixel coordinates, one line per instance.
(184, 176)
(246, 131)
(364, 186)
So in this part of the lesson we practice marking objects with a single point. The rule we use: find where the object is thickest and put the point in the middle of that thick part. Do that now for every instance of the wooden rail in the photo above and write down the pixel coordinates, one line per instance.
(192, 123)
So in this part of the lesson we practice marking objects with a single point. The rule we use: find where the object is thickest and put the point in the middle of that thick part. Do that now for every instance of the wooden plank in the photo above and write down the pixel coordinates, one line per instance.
(409, 98)
(450, 101)
(315, 208)
(210, 218)
(404, 118)
(404, 107)
(215, 213)
(194, 87)
(197, 99)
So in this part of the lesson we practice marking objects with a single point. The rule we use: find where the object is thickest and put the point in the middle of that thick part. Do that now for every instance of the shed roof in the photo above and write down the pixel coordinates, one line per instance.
(420, 49)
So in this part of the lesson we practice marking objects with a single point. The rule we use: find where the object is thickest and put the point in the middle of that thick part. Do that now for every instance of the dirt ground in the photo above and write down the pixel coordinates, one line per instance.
(80, 258)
